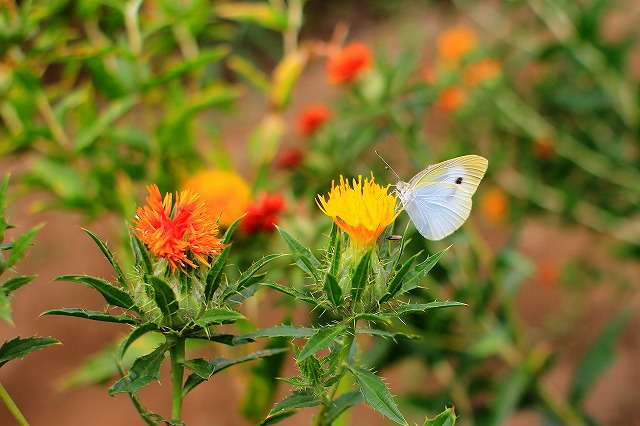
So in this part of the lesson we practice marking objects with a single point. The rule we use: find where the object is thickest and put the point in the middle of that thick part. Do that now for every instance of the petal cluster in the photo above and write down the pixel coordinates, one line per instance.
(262, 215)
(347, 65)
(173, 231)
(363, 210)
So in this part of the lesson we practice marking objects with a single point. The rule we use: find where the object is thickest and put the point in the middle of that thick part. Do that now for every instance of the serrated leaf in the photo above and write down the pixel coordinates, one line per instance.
(246, 275)
(322, 338)
(144, 370)
(216, 365)
(19, 246)
(373, 318)
(390, 334)
(396, 282)
(341, 404)
(112, 294)
(376, 393)
(214, 275)
(360, 277)
(227, 235)
(18, 347)
(301, 255)
(294, 293)
(218, 316)
(135, 334)
(92, 315)
(413, 278)
(302, 398)
(120, 276)
(277, 418)
(164, 296)
(332, 290)
(280, 331)
(142, 257)
(446, 418)
(420, 307)
(13, 284)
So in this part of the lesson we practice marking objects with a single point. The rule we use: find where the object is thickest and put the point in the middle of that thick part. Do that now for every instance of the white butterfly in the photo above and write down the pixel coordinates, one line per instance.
(438, 199)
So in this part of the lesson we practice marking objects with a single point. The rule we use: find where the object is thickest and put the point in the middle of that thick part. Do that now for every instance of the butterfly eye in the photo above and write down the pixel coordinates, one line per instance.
(459, 180)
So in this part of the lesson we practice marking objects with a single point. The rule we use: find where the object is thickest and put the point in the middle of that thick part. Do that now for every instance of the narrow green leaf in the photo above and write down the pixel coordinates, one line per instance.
(114, 110)
(214, 276)
(18, 347)
(334, 248)
(120, 276)
(294, 293)
(390, 334)
(227, 235)
(19, 246)
(301, 255)
(246, 275)
(205, 57)
(277, 418)
(376, 393)
(164, 296)
(598, 358)
(302, 398)
(396, 282)
(216, 365)
(341, 404)
(446, 418)
(5, 308)
(420, 271)
(374, 318)
(218, 316)
(112, 294)
(322, 338)
(262, 14)
(142, 257)
(135, 334)
(142, 372)
(246, 283)
(280, 331)
(333, 290)
(92, 315)
(13, 284)
(360, 277)
(419, 307)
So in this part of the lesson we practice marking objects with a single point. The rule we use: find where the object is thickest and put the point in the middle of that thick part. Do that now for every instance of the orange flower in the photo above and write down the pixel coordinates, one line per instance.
(312, 117)
(455, 43)
(451, 98)
(347, 65)
(227, 194)
(484, 69)
(494, 205)
(172, 232)
(263, 215)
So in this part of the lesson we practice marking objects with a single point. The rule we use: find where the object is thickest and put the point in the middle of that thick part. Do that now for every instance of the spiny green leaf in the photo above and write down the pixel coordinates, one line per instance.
(19, 246)
(246, 275)
(295, 294)
(298, 399)
(419, 307)
(13, 284)
(142, 372)
(376, 393)
(341, 404)
(218, 316)
(135, 334)
(420, 271)
(142, 257)
(112, 294)
(301, 255)
(120, 276)
(280, 331)
(334, 249)
(164, 296)
(360, 277)
(373, 318)
(214, 275)
(396, 282)
(390, 334)
(322, 338)
(333, 290)
(92, 315)
(18, 347)
(227, 235)
(446, 418)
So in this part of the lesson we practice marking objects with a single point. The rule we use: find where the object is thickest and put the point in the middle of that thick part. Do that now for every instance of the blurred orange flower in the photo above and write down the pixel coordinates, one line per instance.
(456, 42)
(451, 98)
(172, 232)
(290, 159)
(484, 69)
(263, 214)
(548, 273)
(494, 204)
(227, 194)
(347, 65)
(312, 117)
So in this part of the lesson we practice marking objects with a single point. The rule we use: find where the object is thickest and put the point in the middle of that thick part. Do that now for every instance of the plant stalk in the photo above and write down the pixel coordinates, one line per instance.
(12, 407)
(177, 375)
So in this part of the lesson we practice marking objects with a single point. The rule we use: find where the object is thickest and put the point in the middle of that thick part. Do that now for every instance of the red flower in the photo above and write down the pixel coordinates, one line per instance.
(290, 159)
(312, 117)
(263, 215)
(348, 64)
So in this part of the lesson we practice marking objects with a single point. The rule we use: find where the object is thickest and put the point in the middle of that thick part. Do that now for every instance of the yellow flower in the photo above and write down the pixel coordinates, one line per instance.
(362, 211)
(227, 194)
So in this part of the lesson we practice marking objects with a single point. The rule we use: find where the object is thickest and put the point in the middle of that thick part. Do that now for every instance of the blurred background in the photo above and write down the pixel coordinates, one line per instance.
(259, 106)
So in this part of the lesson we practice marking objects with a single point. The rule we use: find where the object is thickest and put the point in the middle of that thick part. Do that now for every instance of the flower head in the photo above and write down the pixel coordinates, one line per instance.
(263, 215)
(455, 43)
(484, 69)
(227, 194)
(173, 231)
(362, 210)
(312, 117)
(494, 205)
(451, 98)
(347, 65)
(290, 159)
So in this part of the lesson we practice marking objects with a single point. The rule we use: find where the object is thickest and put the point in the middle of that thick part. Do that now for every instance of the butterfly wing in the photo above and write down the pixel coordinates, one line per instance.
(466, 172)
(438, 208)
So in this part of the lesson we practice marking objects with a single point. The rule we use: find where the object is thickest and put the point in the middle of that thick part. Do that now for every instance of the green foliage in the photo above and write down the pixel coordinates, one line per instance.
(19, 347)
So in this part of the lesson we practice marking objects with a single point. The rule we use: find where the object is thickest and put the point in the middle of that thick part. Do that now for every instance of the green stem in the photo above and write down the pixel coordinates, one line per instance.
(13, 408)
(177, 374)
(319, 419)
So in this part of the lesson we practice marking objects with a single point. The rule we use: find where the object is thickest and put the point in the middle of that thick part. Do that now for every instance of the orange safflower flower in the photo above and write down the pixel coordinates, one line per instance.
(455, 43)
(347, 65)
(494, 205)
(227, 194)
(172, 232)
(484, 69)
(451, 98)
(312, 117)
(362, 211)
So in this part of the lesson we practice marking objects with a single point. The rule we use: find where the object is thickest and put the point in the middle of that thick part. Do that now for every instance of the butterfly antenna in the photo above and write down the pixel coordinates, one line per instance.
(388, 167)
